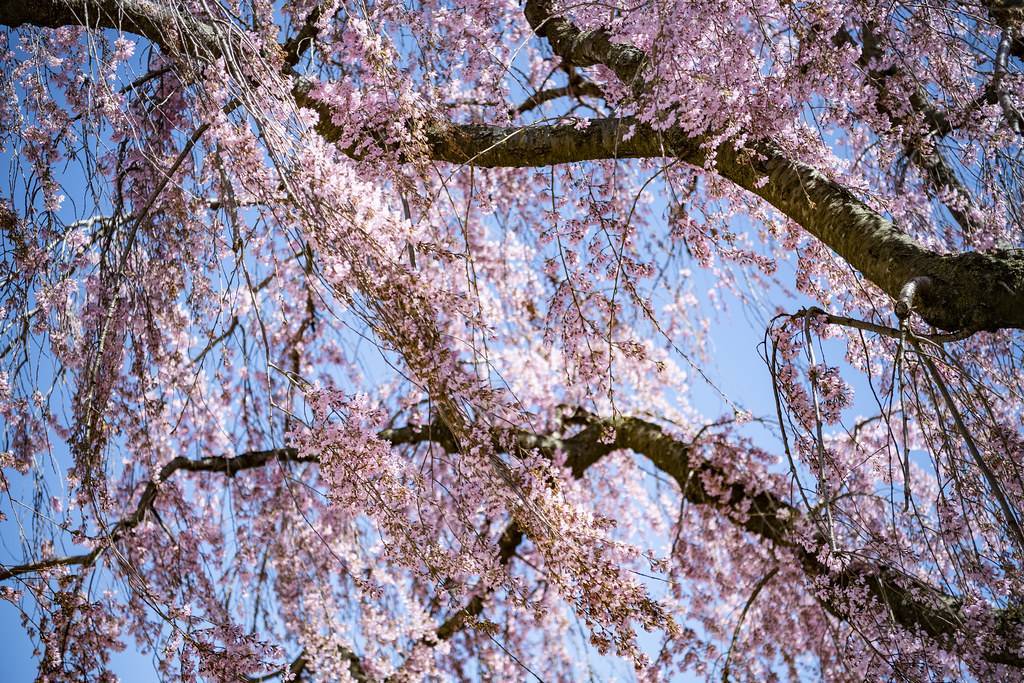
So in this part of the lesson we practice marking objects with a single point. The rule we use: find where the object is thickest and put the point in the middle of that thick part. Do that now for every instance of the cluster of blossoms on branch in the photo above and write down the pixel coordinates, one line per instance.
(398, 341)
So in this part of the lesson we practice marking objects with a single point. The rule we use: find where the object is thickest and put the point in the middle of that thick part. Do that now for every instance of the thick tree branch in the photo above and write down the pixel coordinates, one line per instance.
(300, 670)
(298, 44)
(912, 603)
(176, 30)
(585, 48)
(1009, 14)
(972, 291)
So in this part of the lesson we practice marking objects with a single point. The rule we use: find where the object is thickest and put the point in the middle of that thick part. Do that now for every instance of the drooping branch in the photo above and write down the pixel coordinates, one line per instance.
(972, 290)
(226, 465)
(300, 667)
(913, 603)
(920, 148)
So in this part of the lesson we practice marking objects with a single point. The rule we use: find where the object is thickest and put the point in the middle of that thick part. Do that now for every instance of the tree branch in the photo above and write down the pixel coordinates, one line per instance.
(580, 88)
(920, 149)
(177, 32)
(975, 291)
(912, 602)
(972, 290)
(228, 465)
(1009, 14)
(585, 48)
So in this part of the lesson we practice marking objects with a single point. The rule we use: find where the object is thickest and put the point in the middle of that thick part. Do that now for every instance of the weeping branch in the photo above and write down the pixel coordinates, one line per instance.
(919, 148)
(227, 465)
(913, 603)
(972, 290)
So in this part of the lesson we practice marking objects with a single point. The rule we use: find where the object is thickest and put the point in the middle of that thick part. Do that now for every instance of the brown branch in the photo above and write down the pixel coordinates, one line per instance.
(228, 465)
(300, 669)
(919, 148)
(913, 603)
(507, 545)
(1009, 14)
(297, 45)
(176, 30)
(585, 48)
(891, 332)
(972, 290)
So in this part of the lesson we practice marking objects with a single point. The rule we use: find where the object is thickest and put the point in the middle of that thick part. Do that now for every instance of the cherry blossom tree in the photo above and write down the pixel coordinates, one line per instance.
(361, 340)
